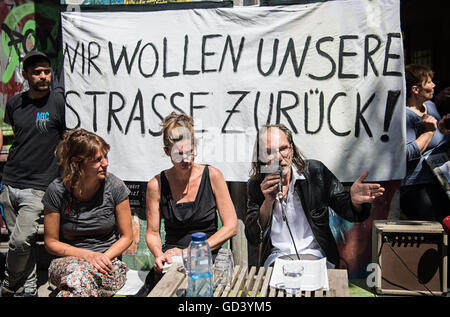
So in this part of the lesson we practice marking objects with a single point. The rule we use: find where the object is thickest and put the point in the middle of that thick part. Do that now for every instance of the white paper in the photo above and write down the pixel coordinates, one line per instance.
(314, 275)
(175, 259)
(135, 280)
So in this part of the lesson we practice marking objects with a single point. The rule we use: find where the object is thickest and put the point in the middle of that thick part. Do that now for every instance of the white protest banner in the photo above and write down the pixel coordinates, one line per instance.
(332, 72)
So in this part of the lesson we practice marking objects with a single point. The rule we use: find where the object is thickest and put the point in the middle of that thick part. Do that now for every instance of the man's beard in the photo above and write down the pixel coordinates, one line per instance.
(40, 87)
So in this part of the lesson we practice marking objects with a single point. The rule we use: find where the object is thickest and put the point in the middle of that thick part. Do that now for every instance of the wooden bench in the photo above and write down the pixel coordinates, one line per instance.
(248, 283)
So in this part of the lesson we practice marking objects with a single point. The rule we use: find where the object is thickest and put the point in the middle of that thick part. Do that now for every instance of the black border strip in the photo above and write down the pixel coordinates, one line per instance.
(268, 3)
(151, 7)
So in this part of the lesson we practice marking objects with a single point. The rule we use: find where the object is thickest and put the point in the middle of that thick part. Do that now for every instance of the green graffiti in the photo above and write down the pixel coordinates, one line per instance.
(11, 20)
(13, 46)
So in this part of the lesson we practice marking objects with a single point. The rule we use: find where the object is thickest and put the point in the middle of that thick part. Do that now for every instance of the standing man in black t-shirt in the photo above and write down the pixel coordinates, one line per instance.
(37, 117)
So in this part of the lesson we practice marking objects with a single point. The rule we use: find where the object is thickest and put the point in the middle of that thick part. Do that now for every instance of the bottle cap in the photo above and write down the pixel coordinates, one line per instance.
(199, 236)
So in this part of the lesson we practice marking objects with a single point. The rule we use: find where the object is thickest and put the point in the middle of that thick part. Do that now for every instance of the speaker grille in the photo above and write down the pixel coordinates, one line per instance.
(411, 262)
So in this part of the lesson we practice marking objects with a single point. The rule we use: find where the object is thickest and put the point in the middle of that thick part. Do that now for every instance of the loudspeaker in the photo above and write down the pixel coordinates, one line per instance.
(411, 257)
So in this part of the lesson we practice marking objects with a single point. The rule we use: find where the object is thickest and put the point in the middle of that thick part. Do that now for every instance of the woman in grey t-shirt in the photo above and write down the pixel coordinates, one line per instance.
(87, 219)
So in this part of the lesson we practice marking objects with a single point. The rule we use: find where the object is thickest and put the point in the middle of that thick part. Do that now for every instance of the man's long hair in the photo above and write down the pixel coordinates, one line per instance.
(257, 164)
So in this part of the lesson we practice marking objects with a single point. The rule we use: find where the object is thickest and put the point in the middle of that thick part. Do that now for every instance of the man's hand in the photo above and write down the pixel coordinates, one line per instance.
(364, 192)
(269, 186)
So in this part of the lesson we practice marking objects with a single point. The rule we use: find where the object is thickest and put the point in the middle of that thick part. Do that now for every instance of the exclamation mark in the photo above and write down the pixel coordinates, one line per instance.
(390, 106)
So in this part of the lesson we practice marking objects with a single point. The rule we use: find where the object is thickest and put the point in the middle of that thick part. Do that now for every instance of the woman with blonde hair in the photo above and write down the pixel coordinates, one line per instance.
(187, 196)
(87, 219)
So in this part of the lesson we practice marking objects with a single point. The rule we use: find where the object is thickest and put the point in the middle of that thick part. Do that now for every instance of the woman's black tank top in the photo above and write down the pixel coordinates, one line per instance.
(182, 220)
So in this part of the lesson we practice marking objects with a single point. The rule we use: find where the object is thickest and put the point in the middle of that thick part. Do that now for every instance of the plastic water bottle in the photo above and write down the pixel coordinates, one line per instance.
(200, 267)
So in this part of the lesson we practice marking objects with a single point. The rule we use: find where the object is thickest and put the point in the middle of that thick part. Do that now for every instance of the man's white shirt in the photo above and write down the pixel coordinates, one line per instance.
(300, 228)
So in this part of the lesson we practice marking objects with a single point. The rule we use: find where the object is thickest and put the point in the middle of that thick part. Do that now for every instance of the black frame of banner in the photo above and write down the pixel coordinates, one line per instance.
(149, 6)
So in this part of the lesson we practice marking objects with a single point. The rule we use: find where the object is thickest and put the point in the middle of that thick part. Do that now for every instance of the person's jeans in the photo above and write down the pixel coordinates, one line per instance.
(22, 209)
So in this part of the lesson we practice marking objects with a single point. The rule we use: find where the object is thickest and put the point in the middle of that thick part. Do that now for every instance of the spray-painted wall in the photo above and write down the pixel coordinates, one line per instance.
(354, 240)
(26, 25)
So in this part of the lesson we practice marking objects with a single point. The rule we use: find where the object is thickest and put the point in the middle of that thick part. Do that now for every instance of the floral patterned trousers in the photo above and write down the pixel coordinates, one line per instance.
(76, 277)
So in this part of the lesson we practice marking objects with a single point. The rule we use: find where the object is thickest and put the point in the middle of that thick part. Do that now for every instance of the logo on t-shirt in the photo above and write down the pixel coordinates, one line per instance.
(41, 121)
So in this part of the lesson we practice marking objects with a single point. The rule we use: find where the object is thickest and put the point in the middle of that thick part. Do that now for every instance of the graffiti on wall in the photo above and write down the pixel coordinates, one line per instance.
(24, 26)
(354, 240)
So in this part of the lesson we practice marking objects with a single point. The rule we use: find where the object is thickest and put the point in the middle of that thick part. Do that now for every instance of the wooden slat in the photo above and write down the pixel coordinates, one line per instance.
(338, 283)
(219, 290)
(227, 289)
(249, 281)
(239, 283)
(174, 283)
(222, 290)
(272, 292)
(265, 286)
(225, 292)
(182, 289)
(169, 283)
(258, 282)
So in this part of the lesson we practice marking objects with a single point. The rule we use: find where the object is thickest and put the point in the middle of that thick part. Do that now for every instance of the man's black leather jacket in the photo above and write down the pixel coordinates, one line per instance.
(319, 190)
